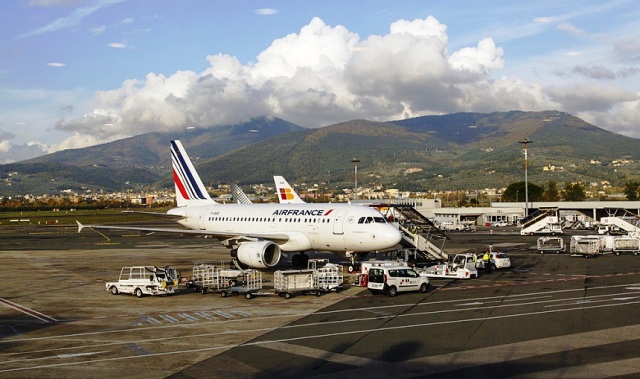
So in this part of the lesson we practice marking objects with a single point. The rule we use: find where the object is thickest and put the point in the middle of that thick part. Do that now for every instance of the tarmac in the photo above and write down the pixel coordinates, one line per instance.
(549, 315)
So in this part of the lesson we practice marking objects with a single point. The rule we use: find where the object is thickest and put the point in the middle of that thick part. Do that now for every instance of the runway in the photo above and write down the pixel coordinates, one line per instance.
(548, 316)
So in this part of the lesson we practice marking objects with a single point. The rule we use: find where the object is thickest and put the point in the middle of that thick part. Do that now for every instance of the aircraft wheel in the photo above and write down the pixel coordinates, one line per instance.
(296, 260)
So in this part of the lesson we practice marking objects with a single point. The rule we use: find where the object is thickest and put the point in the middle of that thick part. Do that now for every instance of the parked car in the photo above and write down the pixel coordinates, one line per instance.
(499, 224)
(499, 260)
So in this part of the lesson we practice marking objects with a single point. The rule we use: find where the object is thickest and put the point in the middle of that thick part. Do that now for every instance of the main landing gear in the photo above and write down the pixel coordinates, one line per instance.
(300, 260)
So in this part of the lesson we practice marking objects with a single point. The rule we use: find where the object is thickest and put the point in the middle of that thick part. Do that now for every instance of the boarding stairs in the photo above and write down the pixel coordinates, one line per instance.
(419, 233)
(538, 220)
(631, 225)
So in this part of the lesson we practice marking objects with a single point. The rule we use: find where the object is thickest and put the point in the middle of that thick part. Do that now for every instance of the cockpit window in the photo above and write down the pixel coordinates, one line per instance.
(380, 220)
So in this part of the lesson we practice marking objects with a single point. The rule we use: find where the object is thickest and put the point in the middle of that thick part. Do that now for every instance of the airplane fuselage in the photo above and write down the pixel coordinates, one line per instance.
(321, 227)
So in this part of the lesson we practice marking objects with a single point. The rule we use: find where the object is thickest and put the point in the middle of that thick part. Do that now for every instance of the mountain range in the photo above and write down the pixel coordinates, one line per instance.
(456, 151)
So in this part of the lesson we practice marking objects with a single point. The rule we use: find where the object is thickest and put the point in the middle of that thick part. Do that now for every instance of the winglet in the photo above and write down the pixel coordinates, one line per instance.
(80, 226)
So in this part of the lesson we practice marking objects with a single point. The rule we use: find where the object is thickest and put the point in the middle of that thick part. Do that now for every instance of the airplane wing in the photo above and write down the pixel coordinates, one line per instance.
(157, 214)
(277, 238)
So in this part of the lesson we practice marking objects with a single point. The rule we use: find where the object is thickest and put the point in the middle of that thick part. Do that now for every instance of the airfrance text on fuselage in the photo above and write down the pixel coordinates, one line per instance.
(301, 212)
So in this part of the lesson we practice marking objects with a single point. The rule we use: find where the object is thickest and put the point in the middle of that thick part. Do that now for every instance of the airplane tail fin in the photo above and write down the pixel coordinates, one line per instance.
(286, 194)
(189, 188)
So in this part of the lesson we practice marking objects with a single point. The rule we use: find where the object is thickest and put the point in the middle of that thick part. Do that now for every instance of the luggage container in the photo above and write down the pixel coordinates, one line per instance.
(587, 246)
(551, 245)
(319, 277)
(626, 245)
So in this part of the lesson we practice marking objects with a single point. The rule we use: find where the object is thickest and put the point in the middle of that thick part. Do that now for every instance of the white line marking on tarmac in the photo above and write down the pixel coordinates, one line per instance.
(28, 311)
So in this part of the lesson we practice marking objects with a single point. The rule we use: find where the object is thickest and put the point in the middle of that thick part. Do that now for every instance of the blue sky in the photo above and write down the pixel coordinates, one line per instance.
(74, 73)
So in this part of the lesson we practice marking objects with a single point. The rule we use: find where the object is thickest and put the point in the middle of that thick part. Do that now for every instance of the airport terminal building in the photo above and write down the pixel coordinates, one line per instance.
(512, 212)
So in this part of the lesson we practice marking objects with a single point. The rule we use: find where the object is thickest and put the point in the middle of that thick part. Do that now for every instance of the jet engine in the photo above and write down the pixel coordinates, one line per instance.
(257, 254)
(362, 256)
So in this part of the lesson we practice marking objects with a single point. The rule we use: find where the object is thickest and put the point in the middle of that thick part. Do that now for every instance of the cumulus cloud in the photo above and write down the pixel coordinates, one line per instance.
(326, 74)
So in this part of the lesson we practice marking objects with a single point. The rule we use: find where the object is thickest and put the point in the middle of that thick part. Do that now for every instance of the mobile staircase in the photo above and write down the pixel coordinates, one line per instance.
(544, 220)
(630, 224)
(418, 232)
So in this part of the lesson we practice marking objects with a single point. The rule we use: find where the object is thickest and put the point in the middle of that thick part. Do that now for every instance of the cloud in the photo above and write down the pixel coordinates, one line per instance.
(74, 19)
(572, 30)
(327, 74)
(55, 64)
(265, 11)
(118, 45)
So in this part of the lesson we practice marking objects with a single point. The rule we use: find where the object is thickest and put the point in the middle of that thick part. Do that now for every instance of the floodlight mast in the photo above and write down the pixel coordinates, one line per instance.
(526, 143)
(355, 169)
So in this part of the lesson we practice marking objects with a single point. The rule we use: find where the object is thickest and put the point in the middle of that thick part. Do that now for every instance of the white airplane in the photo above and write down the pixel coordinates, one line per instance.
(286, 194)
(258, 234)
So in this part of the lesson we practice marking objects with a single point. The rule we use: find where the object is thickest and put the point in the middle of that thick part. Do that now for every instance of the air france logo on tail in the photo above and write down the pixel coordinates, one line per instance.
(184, 176)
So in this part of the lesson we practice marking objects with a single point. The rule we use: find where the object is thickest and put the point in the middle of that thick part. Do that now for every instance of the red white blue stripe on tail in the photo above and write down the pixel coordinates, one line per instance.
(189, 188)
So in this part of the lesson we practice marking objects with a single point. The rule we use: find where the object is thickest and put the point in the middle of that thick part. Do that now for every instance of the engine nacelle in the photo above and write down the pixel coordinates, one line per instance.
(362, 256)
(258, 254)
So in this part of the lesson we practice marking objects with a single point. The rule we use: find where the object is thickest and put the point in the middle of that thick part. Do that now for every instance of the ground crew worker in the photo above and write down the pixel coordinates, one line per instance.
(486, 259)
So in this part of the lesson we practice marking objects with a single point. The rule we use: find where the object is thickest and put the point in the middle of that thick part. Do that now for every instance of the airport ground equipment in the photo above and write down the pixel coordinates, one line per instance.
(319, 277)
(587, 246)
(145, 280)
(621, 225)
(626, 245)
(418, 232)
(461, 266)
(543, 221)
(549, 244)
(209, 277)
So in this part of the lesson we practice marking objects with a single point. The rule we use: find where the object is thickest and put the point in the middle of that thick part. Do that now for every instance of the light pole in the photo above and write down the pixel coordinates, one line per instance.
(355, 168)
(526, 143)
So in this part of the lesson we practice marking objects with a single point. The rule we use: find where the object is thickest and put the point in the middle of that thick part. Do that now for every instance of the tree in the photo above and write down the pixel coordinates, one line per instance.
(551, 192)
(632, 190)
(516, 192)
(573, 192)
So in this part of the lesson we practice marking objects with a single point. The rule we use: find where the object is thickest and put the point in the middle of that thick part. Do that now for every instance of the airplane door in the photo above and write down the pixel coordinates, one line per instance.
(203, 218)
(338, 221)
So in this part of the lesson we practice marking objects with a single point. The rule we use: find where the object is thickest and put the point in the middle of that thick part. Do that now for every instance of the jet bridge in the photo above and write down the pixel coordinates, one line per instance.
(418, 232)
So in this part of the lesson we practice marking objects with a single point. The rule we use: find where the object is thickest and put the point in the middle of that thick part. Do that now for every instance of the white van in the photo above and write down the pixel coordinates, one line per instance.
(394, 279)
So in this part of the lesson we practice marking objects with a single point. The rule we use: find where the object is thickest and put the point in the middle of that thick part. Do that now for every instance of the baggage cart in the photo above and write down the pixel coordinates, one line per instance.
(288, 282)
(249, 284)
(550, 245)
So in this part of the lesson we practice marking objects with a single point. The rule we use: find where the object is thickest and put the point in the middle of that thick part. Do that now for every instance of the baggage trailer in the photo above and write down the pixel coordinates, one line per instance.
(587, 246)
(249, 285)
(330, 276)
(320, 276)
(207, 276)
(626, 245)
(551, 245)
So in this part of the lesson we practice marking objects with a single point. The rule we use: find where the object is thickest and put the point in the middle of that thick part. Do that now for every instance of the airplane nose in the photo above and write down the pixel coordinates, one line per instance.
(392, 235)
